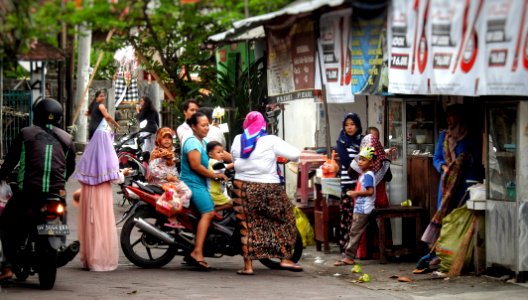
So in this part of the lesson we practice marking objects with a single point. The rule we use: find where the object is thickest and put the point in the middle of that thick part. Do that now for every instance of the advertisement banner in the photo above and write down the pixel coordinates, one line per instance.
(408, 47)
(504, 32)
(291, 60)
(469, 48)
(368, 55)
(455, 48)
(335, 55)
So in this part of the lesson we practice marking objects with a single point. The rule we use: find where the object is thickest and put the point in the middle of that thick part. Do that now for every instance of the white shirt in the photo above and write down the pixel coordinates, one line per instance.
(216, 134)
(261, 165)
(183, 132)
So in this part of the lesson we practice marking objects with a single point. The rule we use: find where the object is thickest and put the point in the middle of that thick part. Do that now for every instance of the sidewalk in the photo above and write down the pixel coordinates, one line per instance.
(384, 277)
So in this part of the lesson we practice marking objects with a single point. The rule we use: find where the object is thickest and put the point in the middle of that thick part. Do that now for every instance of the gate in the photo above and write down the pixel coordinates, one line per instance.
(16, 114)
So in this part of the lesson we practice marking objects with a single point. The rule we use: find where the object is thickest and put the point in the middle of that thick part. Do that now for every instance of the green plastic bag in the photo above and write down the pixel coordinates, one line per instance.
(306, 230)
(454, 227)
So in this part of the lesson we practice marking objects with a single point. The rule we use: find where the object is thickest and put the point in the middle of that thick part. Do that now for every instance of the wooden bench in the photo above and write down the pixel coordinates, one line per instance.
(382, 214)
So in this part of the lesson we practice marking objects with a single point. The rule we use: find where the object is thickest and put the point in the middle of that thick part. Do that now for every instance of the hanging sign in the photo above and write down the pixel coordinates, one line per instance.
(335, 55)
(291, 60)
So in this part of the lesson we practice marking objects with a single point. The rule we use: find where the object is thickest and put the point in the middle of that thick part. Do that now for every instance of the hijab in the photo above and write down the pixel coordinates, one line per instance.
(99, 162)
(254, 127)
(456, 131)
(348, 140)
(161, 152)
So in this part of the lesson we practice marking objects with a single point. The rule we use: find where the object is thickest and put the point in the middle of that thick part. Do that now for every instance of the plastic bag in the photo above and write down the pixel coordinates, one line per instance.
(169, 203)
(5, 194)
(454, 227)
(304, 227)
(5, 191)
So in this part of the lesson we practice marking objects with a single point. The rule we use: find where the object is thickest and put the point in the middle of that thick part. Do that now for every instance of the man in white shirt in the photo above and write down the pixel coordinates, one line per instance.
(184, 130)
(215, 133)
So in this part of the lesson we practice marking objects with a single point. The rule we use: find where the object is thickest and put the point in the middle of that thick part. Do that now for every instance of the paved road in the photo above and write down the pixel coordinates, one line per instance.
(178, 281)
(319, 281)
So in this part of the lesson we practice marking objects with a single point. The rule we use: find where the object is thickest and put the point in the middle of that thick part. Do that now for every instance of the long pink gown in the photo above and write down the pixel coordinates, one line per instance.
(97, 230)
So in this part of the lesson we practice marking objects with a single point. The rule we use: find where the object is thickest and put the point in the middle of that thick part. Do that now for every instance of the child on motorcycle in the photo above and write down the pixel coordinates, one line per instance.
(163, 169)
(221, 201)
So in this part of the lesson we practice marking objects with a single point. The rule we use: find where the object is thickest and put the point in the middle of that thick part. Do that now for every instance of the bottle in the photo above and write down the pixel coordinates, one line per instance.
(511, 191)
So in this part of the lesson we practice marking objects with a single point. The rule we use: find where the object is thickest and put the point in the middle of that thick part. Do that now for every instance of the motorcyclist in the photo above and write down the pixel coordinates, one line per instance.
(46, 158)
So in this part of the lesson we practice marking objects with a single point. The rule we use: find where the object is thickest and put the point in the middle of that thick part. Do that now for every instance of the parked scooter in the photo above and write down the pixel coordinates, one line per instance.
(130, 154)
(148, 240)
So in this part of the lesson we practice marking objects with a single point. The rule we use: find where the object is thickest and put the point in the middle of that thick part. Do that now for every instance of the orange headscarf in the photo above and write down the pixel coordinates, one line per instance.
(159, 151)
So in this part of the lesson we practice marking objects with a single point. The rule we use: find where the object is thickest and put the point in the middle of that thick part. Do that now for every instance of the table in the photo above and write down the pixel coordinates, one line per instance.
(326, 216)
(381, 214)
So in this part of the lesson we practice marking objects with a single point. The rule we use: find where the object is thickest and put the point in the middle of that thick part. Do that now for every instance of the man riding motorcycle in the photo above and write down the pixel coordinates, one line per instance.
(47, 159)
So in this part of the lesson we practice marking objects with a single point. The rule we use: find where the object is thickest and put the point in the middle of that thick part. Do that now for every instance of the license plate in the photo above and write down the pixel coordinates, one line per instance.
(53, 229)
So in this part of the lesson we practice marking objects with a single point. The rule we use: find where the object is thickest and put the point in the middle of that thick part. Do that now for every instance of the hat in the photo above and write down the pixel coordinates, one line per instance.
(367, 152)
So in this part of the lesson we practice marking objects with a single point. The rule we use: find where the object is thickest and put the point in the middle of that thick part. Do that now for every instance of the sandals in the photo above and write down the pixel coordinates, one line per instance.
(200, 264)
(291, 267)
(345, 262)
(244, 272)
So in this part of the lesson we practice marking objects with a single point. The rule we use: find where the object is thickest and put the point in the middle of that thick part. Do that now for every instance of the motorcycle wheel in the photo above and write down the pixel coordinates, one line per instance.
(21, 274)
(274, 263)
(47, 268)
(142, 249)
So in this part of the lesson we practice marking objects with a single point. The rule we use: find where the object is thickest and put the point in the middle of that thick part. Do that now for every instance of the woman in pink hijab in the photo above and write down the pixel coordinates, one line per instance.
(260, 201)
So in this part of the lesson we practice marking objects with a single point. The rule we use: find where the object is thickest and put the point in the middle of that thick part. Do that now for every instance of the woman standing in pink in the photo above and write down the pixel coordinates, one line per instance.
(97, 169)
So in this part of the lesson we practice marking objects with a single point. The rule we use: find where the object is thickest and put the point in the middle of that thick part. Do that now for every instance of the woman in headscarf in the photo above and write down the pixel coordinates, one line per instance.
(347, 146)
(458, 159)
(260, 201)
(97, 168)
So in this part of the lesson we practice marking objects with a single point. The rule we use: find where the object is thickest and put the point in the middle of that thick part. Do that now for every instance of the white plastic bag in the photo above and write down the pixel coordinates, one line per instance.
(5, 191)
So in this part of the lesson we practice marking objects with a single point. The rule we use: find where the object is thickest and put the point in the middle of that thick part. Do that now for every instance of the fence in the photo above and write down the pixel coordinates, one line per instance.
(16, 114)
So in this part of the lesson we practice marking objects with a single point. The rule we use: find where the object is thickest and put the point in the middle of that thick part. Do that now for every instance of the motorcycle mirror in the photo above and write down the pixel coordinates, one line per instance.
(143, 124)
(219, 166)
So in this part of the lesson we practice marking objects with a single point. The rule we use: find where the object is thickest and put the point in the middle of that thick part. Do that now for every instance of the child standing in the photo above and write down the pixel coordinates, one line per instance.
(215, 151)
(365, 196)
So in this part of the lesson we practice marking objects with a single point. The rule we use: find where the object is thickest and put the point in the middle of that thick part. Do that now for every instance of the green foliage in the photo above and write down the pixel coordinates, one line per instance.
(246, 93)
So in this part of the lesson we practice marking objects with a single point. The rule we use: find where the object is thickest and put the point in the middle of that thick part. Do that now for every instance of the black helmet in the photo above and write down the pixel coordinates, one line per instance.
(47, 111)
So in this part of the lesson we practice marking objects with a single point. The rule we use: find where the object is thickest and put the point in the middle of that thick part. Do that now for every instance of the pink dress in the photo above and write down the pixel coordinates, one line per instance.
(97, 230)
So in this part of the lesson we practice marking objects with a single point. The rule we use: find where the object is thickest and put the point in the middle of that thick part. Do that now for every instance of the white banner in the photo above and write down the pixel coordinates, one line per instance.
(504, 32)
(408, 47)
(455, 47)
(334, 55)
(469, 48)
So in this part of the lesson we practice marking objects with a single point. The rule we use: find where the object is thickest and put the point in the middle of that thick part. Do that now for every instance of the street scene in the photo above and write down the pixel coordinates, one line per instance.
(293, 149)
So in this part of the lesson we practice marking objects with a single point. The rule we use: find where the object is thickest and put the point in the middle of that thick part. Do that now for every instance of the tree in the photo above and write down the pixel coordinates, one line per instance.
(168, 35)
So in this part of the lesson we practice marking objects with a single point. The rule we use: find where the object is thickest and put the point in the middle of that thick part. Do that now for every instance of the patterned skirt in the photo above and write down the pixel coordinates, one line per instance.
(266, 220)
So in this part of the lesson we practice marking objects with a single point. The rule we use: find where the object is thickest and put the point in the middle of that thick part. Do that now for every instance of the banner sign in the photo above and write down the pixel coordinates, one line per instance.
(367, 44)
(471, 47)
(504, 34)
(291, 60)
(335, 55)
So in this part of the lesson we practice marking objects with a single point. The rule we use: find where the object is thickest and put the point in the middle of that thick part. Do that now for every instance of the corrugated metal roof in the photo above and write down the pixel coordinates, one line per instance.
(293, 9)
(251, 28)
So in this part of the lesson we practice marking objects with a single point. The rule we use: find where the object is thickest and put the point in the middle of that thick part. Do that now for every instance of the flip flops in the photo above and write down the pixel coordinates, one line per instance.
(291, 267)
(343, 262)
(244, 272)
(200, 264)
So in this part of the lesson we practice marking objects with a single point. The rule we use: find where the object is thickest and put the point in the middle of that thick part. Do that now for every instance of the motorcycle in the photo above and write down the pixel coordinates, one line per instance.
(130, 154)
(148, 240)
(44, 248)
